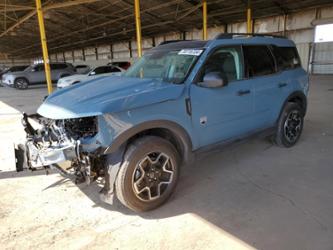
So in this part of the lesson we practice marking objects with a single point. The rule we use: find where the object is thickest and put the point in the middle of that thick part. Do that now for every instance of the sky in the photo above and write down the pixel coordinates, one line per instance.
(324, 33)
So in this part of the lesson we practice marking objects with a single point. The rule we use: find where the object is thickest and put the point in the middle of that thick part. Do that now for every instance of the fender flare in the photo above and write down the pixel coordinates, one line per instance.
(295, 94)
(178, 131)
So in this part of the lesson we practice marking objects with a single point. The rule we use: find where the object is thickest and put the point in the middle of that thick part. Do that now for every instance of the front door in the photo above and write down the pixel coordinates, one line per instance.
(223, 113)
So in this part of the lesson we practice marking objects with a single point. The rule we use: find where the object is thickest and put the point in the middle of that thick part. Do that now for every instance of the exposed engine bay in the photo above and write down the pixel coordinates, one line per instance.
(50, 142)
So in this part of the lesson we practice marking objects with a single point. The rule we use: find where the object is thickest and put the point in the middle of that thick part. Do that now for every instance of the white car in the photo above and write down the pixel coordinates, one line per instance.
(82, 69)
(100, 70)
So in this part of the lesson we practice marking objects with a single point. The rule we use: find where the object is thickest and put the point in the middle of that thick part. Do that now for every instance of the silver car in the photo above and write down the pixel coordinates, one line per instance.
(99, 71)
(35, 74)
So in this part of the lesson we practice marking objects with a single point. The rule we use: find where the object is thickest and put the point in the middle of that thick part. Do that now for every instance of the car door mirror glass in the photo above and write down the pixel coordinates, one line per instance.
(213, 80)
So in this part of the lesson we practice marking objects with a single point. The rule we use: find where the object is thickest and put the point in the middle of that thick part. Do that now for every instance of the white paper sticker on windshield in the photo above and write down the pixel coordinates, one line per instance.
(190, 52)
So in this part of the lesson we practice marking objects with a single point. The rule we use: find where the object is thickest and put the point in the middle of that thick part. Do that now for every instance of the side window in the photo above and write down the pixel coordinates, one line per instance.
(258, 61)
(227, 61)
(58, 66)
(286, 57)
(40, 67)
(100, 70)
(53, 66)
(113, 70)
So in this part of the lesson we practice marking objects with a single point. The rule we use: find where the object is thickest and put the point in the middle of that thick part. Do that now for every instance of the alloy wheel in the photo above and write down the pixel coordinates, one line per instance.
(152, 176)
(21, 84)
(293, 126)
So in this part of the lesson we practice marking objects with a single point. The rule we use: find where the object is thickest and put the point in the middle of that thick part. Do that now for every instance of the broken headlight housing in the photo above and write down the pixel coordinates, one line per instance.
(81, 127)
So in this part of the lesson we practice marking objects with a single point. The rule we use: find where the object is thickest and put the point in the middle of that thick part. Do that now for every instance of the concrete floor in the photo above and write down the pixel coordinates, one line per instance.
(252, 195)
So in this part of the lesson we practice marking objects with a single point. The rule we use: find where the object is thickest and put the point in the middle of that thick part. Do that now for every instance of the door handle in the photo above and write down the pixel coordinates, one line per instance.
(282, 84)
(243, 92)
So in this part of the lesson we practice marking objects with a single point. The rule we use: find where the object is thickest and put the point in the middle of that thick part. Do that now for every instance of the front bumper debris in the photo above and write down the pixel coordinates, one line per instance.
(48, 143)
(51, 142)
(51, 155)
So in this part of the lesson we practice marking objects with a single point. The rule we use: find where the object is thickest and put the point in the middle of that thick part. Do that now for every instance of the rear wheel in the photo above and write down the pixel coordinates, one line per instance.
(290, 125)
(21, 83)
(148, 175)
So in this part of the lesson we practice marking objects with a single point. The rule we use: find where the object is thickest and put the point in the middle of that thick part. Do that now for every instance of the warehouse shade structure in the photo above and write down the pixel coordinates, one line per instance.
(125, 27)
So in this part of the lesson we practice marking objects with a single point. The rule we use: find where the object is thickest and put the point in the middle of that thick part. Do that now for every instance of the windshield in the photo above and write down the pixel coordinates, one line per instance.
(165, 65)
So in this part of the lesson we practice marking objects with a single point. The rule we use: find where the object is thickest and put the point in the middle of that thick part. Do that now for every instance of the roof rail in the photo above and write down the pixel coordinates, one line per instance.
(174, 41)
(235, 35)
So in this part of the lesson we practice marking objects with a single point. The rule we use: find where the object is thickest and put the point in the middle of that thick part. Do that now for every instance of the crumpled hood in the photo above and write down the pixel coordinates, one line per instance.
(107, 95)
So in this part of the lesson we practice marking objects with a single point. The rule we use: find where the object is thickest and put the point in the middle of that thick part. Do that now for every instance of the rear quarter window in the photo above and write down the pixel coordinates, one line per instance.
(286, 57)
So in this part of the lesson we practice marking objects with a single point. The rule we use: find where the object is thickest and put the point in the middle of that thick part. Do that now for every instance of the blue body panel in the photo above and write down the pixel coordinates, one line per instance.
(218, 114)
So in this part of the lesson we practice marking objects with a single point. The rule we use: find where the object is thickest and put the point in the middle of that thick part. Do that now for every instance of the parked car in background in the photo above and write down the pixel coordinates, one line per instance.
(13, 69)
(82, 69)
(35, 74)
(98, 71)
(124, 64)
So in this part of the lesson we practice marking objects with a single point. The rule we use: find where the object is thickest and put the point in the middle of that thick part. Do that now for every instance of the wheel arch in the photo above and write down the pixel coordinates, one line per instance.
(168, 130)
(21, 77)
(296, 97)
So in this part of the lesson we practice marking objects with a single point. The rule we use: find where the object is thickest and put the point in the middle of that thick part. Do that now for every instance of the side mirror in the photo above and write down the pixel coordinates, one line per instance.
(33, 70)
(92, 73)
(213, 80)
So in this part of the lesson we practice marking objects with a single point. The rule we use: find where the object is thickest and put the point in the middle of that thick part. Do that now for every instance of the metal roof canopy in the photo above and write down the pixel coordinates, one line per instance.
(73, 24)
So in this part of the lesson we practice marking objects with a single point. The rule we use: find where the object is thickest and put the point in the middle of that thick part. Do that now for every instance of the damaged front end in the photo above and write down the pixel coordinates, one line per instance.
(51, 142)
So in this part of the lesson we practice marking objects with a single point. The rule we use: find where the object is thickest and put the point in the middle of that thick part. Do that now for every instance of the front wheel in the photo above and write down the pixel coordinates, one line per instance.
(290, 125)
(148, 175)
(21, 83)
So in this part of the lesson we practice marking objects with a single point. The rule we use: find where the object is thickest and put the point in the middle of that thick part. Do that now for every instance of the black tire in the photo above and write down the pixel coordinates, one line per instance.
(143, 151)
(21, 83)
(21, 158)
(288, 135)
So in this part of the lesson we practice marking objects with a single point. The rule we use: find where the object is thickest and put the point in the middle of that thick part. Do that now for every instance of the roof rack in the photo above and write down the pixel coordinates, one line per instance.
(235, 35)
(174, 41)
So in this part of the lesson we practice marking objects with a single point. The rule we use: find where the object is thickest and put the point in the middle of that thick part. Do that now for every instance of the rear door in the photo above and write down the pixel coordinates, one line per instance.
(289, 68)
(267, 84)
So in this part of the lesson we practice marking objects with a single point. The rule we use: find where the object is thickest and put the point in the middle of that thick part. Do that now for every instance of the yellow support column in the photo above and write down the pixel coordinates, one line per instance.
(204, 19)
(138, 26)
(44, 45)
(249, 17)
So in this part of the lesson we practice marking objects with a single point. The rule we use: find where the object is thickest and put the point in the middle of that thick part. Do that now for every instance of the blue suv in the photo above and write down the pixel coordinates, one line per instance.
(180, 98)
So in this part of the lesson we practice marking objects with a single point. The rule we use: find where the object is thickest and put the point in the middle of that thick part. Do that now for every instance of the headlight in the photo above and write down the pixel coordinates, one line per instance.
(81, 127)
